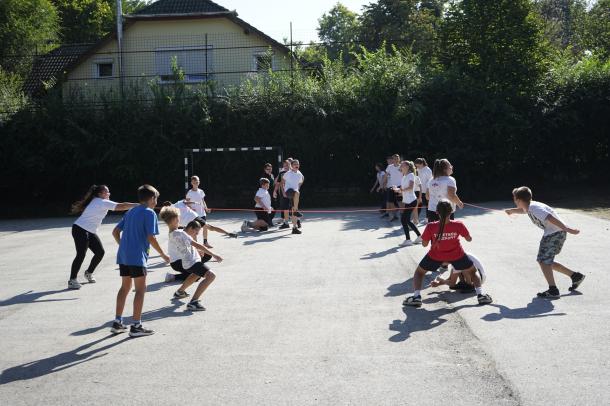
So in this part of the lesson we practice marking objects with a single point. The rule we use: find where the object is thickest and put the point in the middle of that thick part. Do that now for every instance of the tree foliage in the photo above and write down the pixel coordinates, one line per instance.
(339, 30)
(27, 28)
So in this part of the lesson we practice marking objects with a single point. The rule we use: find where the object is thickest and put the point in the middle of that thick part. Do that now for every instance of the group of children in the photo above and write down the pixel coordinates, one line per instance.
(138, 229)
(437, 191)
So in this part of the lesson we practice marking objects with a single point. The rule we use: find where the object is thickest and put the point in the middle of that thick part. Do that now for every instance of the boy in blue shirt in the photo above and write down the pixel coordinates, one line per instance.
(135, 233)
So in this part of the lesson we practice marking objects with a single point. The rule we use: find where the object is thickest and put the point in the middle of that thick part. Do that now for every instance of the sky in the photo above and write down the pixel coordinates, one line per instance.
(273, 17)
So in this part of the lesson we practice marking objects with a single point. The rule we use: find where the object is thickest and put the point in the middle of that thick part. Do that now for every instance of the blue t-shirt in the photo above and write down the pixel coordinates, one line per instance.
(136, 226)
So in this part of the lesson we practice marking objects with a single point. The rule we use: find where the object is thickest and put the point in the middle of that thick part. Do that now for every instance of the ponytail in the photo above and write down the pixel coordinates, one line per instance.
(440, 168)
(444, 210)
(80, 205)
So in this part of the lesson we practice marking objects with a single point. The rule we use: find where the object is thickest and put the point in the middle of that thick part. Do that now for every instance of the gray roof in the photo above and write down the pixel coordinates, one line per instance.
(165, 7)
(52, 66)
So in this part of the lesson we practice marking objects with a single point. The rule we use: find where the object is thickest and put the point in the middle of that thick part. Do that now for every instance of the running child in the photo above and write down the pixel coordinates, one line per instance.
(185, 257)
(93, 207)
(410, 201)
(444, 236)
(264, 211)
(553, 238)
(135, 233)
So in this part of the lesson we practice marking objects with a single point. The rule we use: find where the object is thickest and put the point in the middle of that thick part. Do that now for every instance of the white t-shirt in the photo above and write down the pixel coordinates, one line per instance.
(425, 174)
(417, 184)
(180, 248)
(263, 194)
(408, 196)
(186, 213)
(438, 189)
(293, 180)
(394, 175)
(538, 213)
(94, 213)
(197, 197)
(380, 176)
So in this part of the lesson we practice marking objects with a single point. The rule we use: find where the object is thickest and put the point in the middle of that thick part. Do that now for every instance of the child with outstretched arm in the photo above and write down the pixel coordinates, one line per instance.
(553, 238)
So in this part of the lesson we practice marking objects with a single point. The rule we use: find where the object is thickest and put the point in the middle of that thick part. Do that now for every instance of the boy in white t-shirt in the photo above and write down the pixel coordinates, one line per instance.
(393, 178)
(425, 175)
(554, 236)
(292, 182)
(184, 253)
(264, 211)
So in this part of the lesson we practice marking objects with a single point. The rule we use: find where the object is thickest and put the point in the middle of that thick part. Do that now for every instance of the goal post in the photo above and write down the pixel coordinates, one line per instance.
(189, 155)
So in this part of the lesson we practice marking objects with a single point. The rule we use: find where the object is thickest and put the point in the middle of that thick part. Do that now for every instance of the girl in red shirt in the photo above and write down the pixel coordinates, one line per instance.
(446, 248)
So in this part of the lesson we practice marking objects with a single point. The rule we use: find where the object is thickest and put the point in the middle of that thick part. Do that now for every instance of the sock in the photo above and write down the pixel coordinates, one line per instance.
(119, 319)
(137, 322)
(416, 293)
(479, 290)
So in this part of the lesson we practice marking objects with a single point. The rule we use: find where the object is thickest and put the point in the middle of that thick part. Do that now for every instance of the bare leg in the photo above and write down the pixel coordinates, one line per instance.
(138, 300)
(547, 271)
(557, 267)
(204, 231)
(121, 296)
(471, 274)
(192, 278)
(418, 278)
(295, 208)
(203, 285)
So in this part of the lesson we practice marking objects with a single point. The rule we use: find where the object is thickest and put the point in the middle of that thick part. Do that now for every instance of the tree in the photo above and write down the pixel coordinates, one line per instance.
(84, 21)
(27, 27)
(405, 23)
(338, 30)
(562, 19)
(596, 32)
(497, 43)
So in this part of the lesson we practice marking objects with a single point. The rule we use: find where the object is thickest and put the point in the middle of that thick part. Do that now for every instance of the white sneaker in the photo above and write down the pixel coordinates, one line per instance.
(423, 222)
(73, 284)
(90, 277)
(169, 277)
(406, 243)
(417, 240)
(244, 226)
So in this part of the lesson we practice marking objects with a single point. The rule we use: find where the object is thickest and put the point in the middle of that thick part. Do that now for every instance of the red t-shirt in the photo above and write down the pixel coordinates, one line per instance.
(448, 248)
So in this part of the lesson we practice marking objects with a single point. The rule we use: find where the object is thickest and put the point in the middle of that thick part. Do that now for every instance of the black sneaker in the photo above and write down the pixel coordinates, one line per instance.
(180, 294)
(299, 223)
(139, 331)
(296, 231)
(414, 301)
(195, 306)
(461, 285)
(577, 279)
(284, 226)
(484, 299)
(232, 235)
(298, 214)
(118, 328)
(549, 294)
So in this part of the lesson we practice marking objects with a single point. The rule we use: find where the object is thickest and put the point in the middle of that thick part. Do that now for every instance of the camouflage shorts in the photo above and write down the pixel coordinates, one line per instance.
(551, 245)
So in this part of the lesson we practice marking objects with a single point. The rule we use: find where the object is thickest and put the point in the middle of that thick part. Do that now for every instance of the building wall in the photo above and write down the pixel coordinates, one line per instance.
(231, 55)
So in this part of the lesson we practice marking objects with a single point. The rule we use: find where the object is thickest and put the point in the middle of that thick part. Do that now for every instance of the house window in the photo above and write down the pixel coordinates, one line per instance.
(104, 69)
(195, 62)
(263, 62)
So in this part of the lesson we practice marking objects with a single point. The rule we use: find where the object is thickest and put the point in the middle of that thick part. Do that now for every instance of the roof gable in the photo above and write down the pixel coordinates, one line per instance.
(165, 7)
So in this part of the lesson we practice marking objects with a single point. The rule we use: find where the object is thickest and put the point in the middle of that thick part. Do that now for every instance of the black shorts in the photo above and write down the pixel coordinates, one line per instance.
(429, 264)
(199, 269)
(132, 271)
(284, 203)
(266, 217)
(433, 216)
(391, 196)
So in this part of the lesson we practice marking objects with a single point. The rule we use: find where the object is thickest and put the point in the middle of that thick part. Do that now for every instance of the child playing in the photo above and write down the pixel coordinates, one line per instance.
(197, 196)
(185, 257)
(444, 235)
(464, 285)
(555, 233)
(264, 212)
(135, 233)
(410, 201)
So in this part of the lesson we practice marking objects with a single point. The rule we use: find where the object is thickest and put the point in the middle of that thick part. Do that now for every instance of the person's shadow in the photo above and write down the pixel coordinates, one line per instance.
(420, 319)
(32, 297)
(268, 239)
(172, 310)
(59, 362)
(535, 309)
